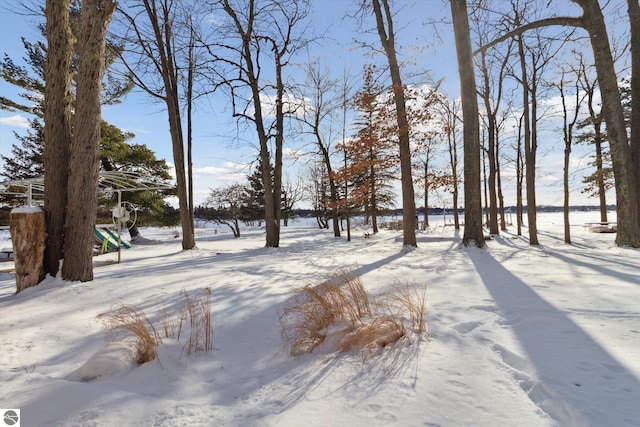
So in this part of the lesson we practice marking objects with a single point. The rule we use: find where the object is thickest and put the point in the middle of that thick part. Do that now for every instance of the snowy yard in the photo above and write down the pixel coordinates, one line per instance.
(518, 335)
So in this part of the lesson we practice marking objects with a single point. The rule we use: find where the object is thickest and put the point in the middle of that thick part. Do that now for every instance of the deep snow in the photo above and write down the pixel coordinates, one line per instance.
(518, 335)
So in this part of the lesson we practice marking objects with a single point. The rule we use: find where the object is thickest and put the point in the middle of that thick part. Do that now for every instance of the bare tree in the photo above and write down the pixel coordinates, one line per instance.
(57, 129)
(634, 137)
(384, 25)
(451, 119)
(317, 110)
(153, 36)
(567, 133)
(257, 31)
(227, 205)
(292, 193)
(625, 173)
(84, 161)
(473, 231)
(493, 67)
(589, 86)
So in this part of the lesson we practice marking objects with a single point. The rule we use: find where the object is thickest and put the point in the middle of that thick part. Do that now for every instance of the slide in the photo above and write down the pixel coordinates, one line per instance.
(109, 240)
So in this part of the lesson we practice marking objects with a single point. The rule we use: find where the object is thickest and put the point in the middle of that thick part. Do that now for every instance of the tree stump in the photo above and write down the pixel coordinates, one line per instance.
(28, 232)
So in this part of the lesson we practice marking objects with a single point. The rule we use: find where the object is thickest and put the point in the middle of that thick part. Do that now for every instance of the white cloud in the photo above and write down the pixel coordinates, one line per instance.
(17, 121)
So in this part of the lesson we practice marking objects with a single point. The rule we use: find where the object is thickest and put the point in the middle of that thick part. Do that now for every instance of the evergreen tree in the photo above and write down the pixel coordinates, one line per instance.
(255, 193)
(26, 159)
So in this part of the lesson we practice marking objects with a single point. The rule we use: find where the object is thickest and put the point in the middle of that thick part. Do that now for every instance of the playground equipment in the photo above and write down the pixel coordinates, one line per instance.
(124, 214)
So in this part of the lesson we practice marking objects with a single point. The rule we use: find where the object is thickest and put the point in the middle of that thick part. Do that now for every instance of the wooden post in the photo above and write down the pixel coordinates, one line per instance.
(27, 228)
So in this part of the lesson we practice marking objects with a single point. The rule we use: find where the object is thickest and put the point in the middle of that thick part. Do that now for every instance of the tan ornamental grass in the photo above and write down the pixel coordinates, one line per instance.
(125, 322)
(339, 312)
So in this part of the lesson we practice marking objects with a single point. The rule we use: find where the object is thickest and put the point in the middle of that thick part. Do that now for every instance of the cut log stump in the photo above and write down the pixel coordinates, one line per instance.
(28, 232)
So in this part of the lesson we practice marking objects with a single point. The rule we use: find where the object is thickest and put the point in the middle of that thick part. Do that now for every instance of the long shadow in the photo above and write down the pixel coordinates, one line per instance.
(568, 374)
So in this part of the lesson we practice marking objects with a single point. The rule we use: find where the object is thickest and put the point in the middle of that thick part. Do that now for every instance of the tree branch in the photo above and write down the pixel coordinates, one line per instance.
(565, 21)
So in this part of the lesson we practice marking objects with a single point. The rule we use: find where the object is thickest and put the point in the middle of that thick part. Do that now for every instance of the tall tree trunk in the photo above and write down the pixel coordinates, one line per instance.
(531, 159)
(279, 140)
(529, 156)
(490, 183)
(84, 162)
(164, 40)
(519, 174)
(426, 195)
(627, 197)
(177, 143)
(453, 159)
(503, 221)
(634, 23)
(568, 139)
(602, 192)
(567, 158)
(484, 183)
(189, 96)
(387, 37)
(333, 190)
(57, 128)
(596, 122)
(473, 231)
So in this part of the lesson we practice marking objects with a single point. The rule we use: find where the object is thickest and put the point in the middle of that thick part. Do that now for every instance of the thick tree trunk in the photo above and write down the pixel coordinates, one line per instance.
(634, 22)
(177, 142)
(473, 231)
(160, 19)
(57, 129)
(28, 236)
(627, 197)
(84, 162)
(387, 37)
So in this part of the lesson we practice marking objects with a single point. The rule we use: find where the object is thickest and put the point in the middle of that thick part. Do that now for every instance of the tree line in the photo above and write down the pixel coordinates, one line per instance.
(166, 49)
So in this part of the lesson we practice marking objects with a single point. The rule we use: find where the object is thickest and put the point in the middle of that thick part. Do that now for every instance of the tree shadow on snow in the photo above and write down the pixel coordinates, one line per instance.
(565, 371)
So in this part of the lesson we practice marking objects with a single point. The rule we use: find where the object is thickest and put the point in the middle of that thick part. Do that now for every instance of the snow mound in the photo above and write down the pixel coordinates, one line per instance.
(112, 360)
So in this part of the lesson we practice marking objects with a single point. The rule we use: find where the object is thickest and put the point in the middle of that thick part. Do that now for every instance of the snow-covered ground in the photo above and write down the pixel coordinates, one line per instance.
(518, 335)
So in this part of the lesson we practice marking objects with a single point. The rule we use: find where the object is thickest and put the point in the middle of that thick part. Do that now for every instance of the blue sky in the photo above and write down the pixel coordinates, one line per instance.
(217, 158)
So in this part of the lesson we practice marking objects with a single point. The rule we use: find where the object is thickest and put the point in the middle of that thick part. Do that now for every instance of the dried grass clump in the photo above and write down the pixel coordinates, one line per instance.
(126, 322)
(305, 322)
(340, 313)
(408, 299)
(198, 309)
(373, 334)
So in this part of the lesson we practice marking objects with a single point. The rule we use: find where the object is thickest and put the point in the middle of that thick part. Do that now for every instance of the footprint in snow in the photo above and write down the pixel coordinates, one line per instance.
(466, 327)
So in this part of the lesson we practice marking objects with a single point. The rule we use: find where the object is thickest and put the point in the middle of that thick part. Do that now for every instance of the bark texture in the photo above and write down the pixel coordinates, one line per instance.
(57, 129)
(387, 37)
(28, 237)
(624, 170)
(473, 231)
(84, 162)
